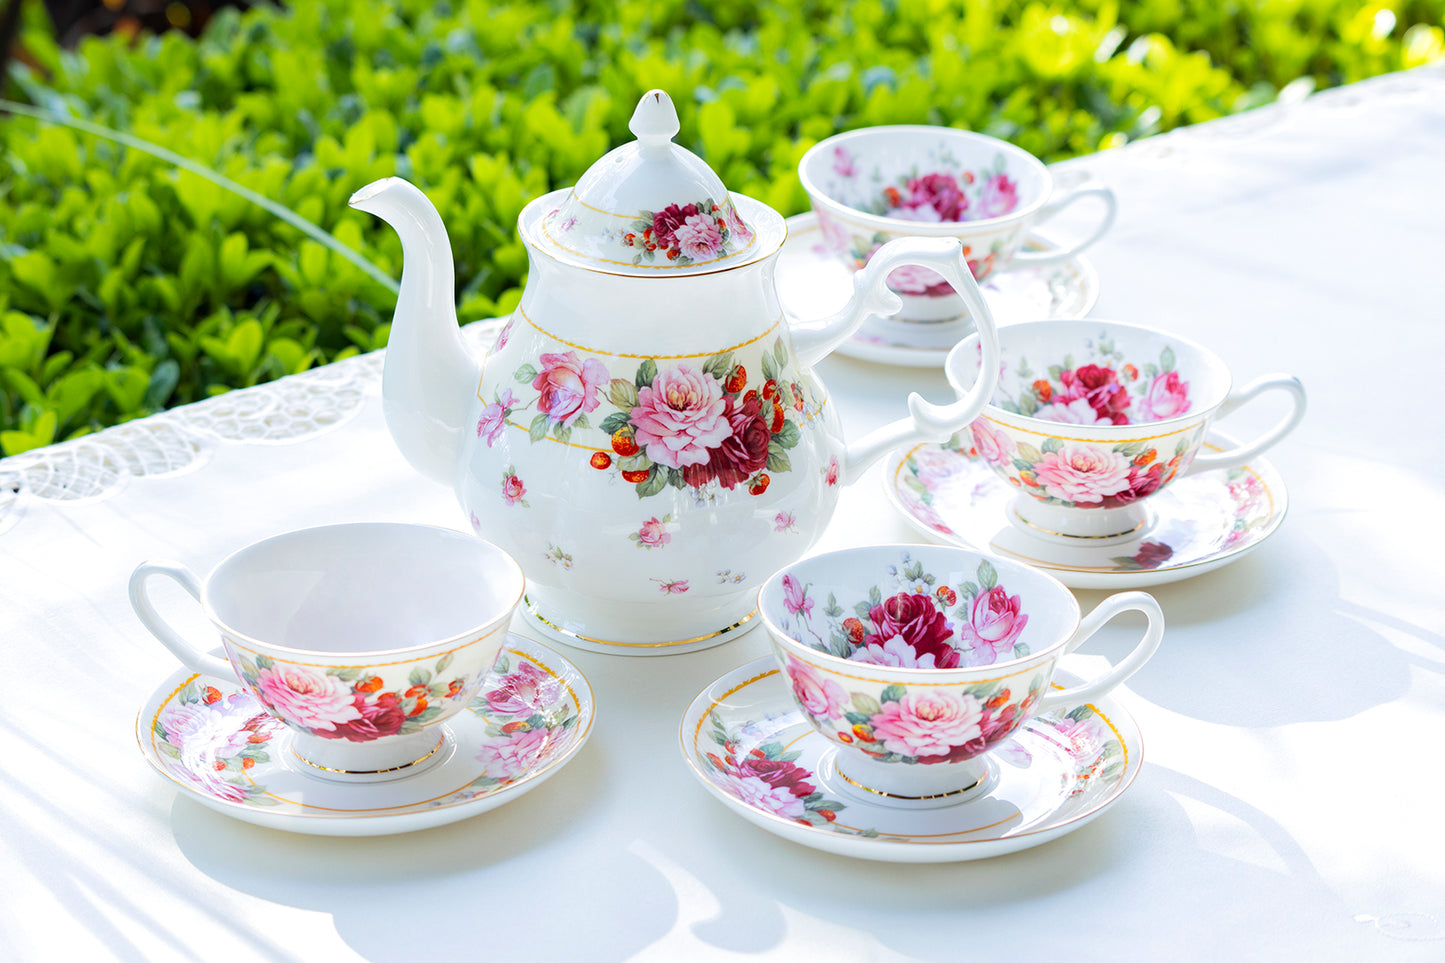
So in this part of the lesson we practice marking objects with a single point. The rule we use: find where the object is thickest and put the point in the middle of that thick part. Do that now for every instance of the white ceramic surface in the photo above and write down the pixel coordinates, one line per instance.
(220, 747)
(649, 445)
(1199, 524)
(810, 279)
(751, 748)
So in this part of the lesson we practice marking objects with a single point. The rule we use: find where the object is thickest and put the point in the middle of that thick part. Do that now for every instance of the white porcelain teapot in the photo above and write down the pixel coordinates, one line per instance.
(647, 436)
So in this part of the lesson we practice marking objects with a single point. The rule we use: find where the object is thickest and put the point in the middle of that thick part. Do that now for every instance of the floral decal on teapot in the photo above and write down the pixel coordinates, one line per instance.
(692, 424)
(686, 234)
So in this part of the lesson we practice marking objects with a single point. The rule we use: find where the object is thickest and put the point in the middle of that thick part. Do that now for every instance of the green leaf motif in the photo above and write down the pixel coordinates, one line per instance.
(1166, 360)
(1029, 454)
(778, 459)
(770, 368)
(616, 421)
(789, 435)
(892, 693)
(780, 353)
(987, 575)
(538, 431)
(525, 374)
(866, 705)
(1052, 445)
(655, 482)
(622, 394)
(419, 676)
(444, 663)
(646, 372)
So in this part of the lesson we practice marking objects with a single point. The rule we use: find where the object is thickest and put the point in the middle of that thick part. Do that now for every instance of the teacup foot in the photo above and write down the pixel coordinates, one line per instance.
(909, 787)
(1096, 526)
(400, 757)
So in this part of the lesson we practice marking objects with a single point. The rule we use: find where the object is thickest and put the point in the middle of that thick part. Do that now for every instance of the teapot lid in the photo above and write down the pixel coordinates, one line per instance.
(649, 207)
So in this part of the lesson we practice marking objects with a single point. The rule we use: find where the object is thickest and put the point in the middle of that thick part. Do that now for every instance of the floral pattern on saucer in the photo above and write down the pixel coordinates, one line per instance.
(1061, 770)
(214, 739)
(1201, 521)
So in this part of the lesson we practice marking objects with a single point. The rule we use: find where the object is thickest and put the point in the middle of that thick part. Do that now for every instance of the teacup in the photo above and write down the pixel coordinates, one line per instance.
(918, 660)
(1091, 418)
(362, 638)
(872, 185)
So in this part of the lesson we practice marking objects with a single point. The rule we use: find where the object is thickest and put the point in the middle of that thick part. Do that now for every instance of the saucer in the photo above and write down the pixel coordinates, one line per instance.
(812, 282)
(1199, 523)
(211, 738)
(1059, 771)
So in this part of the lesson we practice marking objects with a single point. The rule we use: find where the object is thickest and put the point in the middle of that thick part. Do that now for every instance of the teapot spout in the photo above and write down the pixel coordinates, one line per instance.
(429, 377)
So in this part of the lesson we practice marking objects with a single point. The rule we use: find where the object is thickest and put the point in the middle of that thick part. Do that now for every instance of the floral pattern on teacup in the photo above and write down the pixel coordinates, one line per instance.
(923, 725)
(1083, 474)
(1107, 389)
(343, 702)
(921, 624)
(689, 424)
(944, 189)
(913, 280)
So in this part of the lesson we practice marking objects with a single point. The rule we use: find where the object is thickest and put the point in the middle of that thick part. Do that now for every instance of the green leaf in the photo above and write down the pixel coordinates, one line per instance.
(789, 435)
(892, 693)
(525, 374)
(1166, 360)
(987, 575)
(770, 368)
(538, 431)
(1052, 445)
(419, 676)
(866, 705)
(622, 394)
(443, 663)
(780, 353)
(614, 423)
(646, 372)
(778, 459)
(655, 482)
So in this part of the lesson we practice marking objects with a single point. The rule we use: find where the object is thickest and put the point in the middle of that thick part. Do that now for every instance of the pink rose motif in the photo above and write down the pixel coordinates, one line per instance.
(928, 725)
(494, 417)
(735, 224)
(843, 163)
(314, 700)
(383, 717)
(1076, 412)
(513, 490)
(698, 237)
(219, 730)
(1167, 397)
(995, 621)
(831, 475)
(666, 222)
(795, 597)
(680, 416)
(895, 652)
(506, 334)
(508, 756)
(569, 386)
(1000, 196)
(673, 586)
(1083, 473)
(653, 534)
(770, 785)
(993, 446)
(822, 697)
(785, 522)
(208, 781)
(918, 624)
(523, 692)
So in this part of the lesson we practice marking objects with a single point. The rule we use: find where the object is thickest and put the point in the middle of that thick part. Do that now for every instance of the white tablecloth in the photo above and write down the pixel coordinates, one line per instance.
(1290, 802)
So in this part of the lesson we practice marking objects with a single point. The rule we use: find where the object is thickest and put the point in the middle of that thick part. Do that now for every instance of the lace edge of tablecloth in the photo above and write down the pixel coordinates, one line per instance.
(182, 439)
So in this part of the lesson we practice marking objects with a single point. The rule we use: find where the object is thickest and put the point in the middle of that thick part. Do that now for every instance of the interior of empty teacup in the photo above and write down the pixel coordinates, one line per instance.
(363, 588)
(1096, 373)
(918, 607)
(924, 175)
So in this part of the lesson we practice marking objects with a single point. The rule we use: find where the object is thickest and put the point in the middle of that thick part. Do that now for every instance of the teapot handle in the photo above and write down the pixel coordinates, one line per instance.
(926, 421)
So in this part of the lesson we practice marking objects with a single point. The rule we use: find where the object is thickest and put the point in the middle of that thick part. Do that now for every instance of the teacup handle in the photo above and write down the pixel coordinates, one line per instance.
(926, 421)
(1131, 663)
(1241, 454)
(191, 657)
(1054, 206)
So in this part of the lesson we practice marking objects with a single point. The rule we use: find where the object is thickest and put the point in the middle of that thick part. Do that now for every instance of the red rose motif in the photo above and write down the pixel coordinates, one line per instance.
(666, 222)
(1153, 554)
(1101, 388)
(918, 622)
(741, 453)
(380, 718)
(938, 192)
(778, 774)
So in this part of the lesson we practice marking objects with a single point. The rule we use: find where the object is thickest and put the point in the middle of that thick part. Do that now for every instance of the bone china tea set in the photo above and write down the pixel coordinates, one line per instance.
(647, 440)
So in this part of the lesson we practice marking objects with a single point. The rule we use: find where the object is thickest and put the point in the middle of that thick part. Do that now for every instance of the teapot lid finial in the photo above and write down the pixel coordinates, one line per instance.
(654, 122)
(650, 207)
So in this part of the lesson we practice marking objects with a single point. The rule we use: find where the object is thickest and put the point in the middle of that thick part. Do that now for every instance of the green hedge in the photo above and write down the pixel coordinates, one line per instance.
(128, 285)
